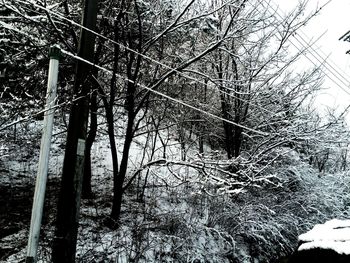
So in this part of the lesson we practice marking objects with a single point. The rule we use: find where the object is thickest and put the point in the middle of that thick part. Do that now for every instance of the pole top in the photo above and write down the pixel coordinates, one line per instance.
(55, 52)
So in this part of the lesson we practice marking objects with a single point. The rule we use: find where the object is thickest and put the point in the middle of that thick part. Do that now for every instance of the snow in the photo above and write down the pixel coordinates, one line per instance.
(176, 217)
(334, 234)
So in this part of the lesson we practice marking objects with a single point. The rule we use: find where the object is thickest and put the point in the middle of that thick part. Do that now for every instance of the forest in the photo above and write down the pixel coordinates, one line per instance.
(201, 139)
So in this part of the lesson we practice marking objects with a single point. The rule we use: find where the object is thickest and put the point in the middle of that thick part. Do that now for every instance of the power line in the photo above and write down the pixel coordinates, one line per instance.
(152, 90)
(155, 61)
(341, 75)
(189, 77)
(38, 113)
(324, 63)
(171, 98)
(149, 58)
(157, 93)
(332, 63)
(166, 96)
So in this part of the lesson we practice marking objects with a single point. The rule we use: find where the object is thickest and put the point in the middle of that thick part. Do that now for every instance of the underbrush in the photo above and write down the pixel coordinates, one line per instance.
(181, 223)
(176, 214)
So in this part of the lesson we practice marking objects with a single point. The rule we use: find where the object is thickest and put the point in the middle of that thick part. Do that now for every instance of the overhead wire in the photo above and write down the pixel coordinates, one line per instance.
(329, 62)
(155, 61)
(185, 75)
(170, 68)
(143, 55)
(165, 96)
(152, 90)
(147, 57)
(340, 72)
(320, 59)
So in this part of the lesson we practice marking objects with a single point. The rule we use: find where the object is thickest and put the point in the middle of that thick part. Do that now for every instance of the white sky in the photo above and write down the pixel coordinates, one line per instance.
(332, 21)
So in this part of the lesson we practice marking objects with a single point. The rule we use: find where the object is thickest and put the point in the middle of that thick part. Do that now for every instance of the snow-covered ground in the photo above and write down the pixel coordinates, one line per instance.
(181, 216)
(334, 235)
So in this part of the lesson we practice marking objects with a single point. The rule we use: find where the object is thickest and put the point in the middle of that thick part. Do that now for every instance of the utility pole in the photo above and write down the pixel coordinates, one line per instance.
(40, 186)
(67, 221)
(346, 37)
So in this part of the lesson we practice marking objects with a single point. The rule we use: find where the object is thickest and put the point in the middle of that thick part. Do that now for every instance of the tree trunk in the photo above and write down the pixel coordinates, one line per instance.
(87, 191)
(226, 108)
(64, 243)
(237, 141)
(229, 139)
(120, 177)
(201, 144)
(228, 127)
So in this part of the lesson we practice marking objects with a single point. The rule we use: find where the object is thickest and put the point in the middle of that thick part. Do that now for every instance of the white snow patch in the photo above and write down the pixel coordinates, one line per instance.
(334, 234)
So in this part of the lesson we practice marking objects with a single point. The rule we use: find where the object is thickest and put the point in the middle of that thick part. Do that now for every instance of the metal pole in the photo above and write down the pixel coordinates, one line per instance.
(40, 186)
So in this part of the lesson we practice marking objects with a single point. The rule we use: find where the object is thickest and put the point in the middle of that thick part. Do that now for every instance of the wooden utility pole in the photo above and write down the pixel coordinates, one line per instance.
(346, 37)
(40, 186)
(67, 221)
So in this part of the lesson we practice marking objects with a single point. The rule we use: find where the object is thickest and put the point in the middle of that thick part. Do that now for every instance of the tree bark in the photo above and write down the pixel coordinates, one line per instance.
(67, 221)
(120, 177)
(87, 190)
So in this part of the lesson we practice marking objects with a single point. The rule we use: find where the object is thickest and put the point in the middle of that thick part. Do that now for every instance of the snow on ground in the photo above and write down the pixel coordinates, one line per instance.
(175, 220)
(334, 234)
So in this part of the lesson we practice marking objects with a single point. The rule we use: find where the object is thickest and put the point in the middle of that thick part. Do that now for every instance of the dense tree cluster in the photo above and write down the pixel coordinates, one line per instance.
(216, 75)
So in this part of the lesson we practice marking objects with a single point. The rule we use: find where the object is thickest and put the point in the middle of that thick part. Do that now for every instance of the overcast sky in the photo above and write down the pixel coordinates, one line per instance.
(333, 21)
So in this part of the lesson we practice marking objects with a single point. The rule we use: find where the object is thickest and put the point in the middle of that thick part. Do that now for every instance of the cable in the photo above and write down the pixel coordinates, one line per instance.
(145, 56)
(332, 64)
(342, 78)
(172, 69)
(318, 60)
(149, 89)
(38, 113)
(171, 98)
(164, 95)
(153, 60)
(168, 67)
(157, 93)
(149, 58)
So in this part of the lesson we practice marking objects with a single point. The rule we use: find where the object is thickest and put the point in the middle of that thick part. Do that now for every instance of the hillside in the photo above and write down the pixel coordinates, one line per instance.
(171, 212)
(185, 131)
